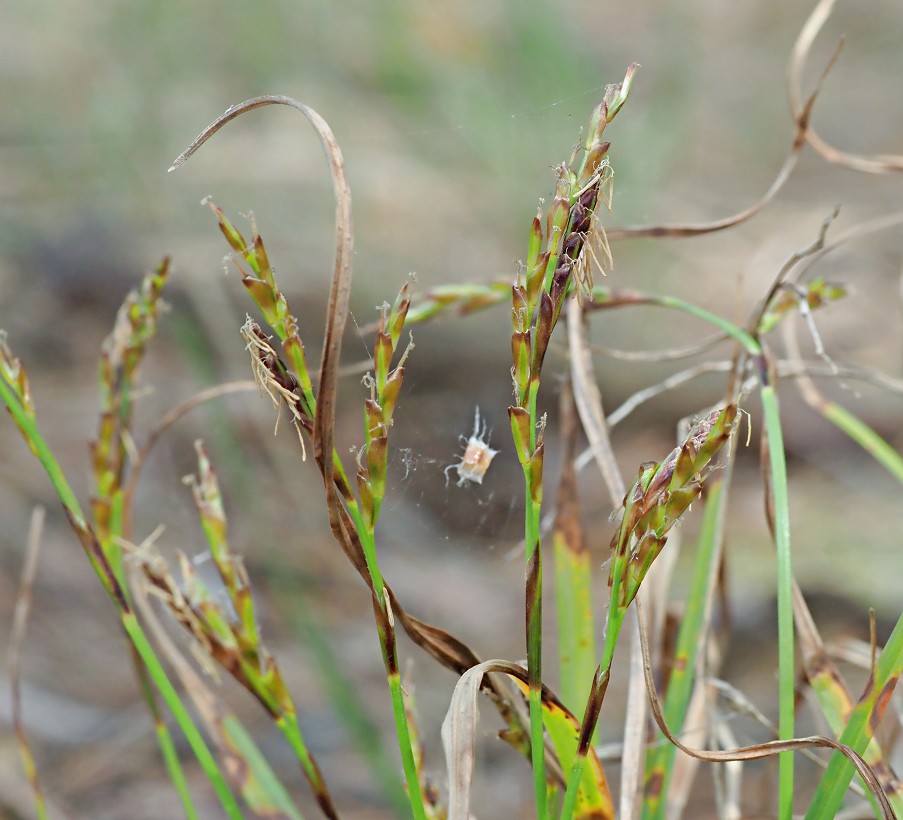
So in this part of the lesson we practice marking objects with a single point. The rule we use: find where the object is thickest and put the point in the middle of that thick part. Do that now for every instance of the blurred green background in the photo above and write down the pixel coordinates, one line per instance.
(451, 117)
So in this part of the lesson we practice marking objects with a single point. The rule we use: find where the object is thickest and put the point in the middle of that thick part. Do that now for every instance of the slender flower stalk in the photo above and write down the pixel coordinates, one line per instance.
(778, 506)
(16, 395)
(121, 356)
(549, 276)
(226, 626)
(660, 495)
(385, 386)
(291, 384)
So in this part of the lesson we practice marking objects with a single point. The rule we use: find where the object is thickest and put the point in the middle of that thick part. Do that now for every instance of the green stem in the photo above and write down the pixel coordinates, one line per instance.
(534, 664)
(404, 740)
(532, 516)
(171, 697)
(36, 443)
(164, 736)
(614, 621)
(613, 630)
(786, 671)
(174, 768)
(288, 725)
(368, 544)
(390, 659)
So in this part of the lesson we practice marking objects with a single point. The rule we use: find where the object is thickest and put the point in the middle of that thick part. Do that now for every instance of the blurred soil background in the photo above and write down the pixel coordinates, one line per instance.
(451, 117)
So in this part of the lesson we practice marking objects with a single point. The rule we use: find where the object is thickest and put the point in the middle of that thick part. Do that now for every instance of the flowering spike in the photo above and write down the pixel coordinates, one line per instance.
(520, 318)
(398, 314)
(382, 359)
(264, 297)
(263, 269)
(535, 474)
(520, 352)
(233, 236)
(544, 325)
(616, 95)
(536, 277)
(534, 246)
(593, 162)
(557, 222)
(390, 393)
(520, 429)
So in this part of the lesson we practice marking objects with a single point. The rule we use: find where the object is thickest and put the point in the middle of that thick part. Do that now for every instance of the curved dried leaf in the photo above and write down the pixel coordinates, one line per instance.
(17, 640)
(801, 116)
(834, 696)
(459, 740)
(877, 164)
(757, 751)
(340, 289)
(589, 403)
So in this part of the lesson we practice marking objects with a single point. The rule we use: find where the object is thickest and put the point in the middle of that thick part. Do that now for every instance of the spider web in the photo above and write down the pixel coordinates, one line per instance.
(423, 495)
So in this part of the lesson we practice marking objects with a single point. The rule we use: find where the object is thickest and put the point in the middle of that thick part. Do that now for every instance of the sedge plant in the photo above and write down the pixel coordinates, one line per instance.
(555, 734)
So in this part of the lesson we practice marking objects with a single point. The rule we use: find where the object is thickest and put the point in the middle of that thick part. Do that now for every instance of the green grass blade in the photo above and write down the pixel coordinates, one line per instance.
(174, 767)
(573, 568)
(836, 701)
(171, 697)
(786, 671)
(594, 797)
(24, 418)
(164, 736)
(262, 789)
(574, 613)
(860, 728)
(865, 437)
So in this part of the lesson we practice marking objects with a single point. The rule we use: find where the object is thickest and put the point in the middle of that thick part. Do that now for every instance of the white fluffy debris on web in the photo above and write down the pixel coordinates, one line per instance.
(477, 456)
